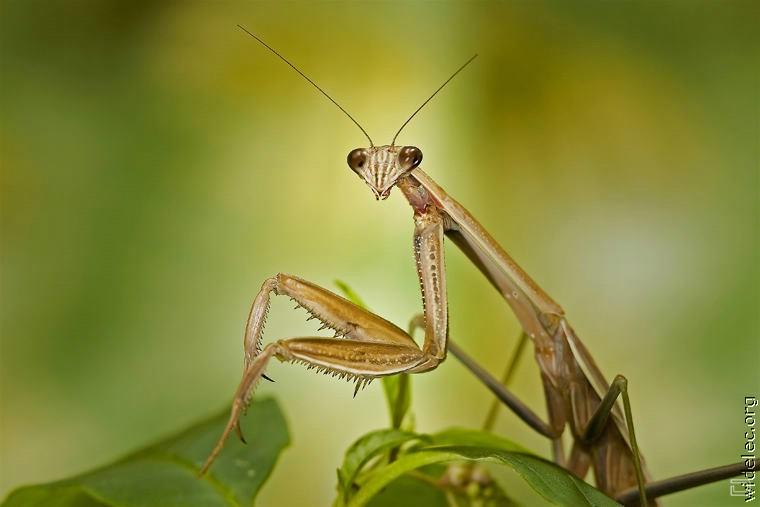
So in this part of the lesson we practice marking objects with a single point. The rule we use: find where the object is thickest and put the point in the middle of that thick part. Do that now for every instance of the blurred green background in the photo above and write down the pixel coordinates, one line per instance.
(158, 164)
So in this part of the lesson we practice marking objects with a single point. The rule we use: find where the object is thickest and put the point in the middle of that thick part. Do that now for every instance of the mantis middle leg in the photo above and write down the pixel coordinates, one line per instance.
(514, 360)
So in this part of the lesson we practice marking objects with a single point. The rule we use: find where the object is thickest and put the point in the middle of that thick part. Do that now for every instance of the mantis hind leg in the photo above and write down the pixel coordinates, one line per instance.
(691, 480)
(597, 424)
(642, 493)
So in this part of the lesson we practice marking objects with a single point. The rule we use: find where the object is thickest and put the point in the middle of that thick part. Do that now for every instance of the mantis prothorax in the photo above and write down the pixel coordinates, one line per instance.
(367, 346)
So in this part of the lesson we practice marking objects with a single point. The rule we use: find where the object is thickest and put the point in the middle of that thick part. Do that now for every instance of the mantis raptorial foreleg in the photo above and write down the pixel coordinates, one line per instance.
(371, 346)
(353, 359)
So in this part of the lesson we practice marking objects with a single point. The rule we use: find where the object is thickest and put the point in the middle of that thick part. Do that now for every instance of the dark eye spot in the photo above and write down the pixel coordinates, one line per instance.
(357, 159)
(409, 157)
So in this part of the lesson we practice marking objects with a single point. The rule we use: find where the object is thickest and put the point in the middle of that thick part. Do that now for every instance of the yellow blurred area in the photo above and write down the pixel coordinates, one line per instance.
(157, 165)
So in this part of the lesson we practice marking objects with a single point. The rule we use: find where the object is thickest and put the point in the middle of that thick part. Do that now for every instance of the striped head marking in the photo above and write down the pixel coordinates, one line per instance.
(381, 166)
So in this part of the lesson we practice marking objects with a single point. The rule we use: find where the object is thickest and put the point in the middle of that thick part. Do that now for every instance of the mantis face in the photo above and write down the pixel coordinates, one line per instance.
(381, 166)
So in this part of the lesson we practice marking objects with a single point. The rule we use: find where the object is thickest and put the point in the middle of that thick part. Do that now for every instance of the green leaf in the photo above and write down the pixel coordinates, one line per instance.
(397, 389)
(408, 491)
(477, 438)
(165, 474)
(552, 482)
(366, 448)
(424, 489)
(350, 294)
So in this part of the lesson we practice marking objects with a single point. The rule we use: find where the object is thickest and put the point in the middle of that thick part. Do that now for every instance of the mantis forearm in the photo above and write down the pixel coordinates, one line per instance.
(429, 257)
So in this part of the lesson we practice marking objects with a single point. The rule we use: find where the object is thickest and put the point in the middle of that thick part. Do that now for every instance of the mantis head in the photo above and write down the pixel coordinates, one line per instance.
(381, 166)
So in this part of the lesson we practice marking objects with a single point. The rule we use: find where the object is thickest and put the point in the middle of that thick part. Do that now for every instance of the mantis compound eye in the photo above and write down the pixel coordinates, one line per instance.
(357, 159)
(409, 157)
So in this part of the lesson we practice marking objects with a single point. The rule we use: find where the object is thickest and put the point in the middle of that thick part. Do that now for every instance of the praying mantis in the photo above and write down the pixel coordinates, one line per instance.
(367, 346)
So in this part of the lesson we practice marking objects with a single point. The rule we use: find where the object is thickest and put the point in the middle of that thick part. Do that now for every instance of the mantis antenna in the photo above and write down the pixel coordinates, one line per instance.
(460, 69)
(270, 48)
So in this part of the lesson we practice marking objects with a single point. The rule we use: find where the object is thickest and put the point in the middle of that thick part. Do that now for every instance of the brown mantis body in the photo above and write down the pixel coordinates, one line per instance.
(367, 346)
